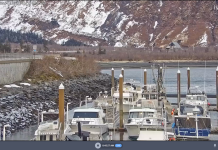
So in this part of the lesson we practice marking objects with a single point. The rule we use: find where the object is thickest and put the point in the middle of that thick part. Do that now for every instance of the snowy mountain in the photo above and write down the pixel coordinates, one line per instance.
(119, 23)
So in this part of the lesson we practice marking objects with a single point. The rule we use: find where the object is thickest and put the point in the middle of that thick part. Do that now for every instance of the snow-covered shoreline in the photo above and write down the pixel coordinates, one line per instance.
(19, 106)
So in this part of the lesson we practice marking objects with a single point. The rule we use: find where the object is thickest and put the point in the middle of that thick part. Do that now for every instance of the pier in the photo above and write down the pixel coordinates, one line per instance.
(117, 119)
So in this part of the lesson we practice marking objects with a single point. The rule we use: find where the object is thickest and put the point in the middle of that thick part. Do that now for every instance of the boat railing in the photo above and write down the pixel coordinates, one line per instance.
(163, 125)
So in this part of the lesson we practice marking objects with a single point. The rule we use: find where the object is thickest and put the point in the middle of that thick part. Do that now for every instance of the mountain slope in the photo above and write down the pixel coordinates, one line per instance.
(119, 23)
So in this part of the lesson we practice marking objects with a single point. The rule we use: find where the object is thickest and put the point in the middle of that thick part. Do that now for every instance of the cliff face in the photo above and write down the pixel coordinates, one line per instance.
(119, 23)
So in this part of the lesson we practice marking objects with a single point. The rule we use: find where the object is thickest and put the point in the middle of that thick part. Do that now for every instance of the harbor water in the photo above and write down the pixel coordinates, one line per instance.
(204, 78)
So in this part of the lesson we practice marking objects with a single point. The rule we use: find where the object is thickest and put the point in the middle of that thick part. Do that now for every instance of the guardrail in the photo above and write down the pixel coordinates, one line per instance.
(15, 56)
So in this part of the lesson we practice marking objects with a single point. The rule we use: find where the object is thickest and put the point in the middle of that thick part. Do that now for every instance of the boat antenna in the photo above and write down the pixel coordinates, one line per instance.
(204, 75)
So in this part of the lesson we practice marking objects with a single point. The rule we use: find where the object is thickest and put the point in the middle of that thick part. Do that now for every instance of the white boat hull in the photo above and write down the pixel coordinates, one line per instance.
(133, 130)
(96, 129)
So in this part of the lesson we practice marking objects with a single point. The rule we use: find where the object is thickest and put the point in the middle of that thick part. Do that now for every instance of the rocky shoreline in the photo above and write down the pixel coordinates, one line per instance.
(19, 106)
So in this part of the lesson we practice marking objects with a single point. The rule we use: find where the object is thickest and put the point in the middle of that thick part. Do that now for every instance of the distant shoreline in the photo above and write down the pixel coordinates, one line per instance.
(168, 63)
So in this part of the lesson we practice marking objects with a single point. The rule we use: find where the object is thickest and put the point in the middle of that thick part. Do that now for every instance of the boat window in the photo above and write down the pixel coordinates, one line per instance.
(189, 109)
(153, 96)
(146, 96)
(202, 98)
(148, 114)
(136, 115)
(126, 99)
(86, 115)
(51, 138)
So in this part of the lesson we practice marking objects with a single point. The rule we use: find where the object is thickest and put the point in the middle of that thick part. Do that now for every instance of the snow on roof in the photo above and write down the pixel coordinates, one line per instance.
(87, 110)
(142, 110)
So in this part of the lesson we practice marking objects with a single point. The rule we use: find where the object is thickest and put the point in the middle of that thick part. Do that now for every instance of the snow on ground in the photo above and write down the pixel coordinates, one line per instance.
(161, 3)
(118, 44)
(3, 10)
(185, 29)
(203, 40)
(56, 71)
(155, 24)
(120, 37)
(25, 84)
(124, 18)
(158, 9)
(151, 36)
(11, 85)
(141, 46)
(61, 41)
(130, 24)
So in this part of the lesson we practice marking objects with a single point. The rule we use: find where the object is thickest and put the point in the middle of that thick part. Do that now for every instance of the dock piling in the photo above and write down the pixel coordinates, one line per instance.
(178, 88)
(61, 106)
(121, 129)
(145, 79)
(188, 75)
(122, 72)
(217, 87)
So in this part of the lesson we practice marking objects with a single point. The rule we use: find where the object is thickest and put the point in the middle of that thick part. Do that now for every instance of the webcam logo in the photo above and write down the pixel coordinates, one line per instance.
(97, 145)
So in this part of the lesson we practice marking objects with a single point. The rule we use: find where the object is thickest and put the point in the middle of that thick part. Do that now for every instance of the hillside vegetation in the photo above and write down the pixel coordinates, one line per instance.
(51, 68)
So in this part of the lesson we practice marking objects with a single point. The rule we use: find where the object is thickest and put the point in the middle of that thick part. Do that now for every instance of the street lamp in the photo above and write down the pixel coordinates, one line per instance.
(7, 125)
(67, 112)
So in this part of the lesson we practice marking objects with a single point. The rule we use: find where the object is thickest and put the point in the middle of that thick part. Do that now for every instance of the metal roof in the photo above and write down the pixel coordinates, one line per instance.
(175, 45)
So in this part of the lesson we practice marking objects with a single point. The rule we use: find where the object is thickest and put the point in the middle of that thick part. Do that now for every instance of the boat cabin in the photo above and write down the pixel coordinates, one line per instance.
(150, 92)
(89, 116)
(141, 113)
(49, 127)
(196, 97)
(188, 110)
(127, 97)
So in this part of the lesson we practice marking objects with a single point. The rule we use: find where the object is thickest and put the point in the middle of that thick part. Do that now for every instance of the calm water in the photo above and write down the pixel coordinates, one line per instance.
(198, 76)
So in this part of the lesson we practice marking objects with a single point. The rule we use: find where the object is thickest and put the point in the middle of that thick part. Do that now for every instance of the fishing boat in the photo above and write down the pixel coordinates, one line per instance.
(109, 108)
(49, 127)
(195, 96)
(132, 91)
(193, 120)
(146, 121)
(92, 120)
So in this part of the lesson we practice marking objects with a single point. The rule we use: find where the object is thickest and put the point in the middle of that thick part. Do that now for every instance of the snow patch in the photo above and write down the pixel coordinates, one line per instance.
(151, 36)
(161, 3)
(158, 9)
(185, 29)
(11, 86)
(203, 40)
(118, 44)
(124, 18)
(61, 41)
(120, 37)
(25, 84)
(56, 71)
(170, 32)
(155, 24)
(130, 24)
